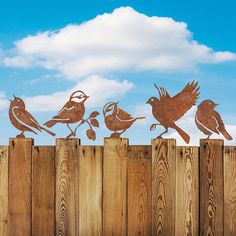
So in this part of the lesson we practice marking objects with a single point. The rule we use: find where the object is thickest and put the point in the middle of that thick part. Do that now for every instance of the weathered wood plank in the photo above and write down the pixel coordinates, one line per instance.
(20, 186)
(67, 187)
(230, 191)
(163, 186)
(43, 190)
(90, 184)
(115, 187)
(3, 189)
(139, 190)
(211, 187)
(187, 191)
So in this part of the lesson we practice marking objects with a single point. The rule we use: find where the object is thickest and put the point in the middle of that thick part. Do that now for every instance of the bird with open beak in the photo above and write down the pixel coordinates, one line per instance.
(22, 119)
(117, 119)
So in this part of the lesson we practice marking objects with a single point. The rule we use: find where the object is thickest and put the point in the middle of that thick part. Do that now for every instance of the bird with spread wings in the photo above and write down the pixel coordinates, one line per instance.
(167, 110)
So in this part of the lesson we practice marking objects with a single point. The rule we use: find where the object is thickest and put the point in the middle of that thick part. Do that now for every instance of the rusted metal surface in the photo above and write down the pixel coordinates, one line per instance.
(117, 119)
(209, 121)
(73, 112)
(22, 119)
(167, 110)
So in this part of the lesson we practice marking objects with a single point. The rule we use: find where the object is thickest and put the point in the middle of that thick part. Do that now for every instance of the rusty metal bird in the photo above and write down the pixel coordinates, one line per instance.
(117, 119)
(72, 112)
(167, 110)
(22, 119)
(209, 121)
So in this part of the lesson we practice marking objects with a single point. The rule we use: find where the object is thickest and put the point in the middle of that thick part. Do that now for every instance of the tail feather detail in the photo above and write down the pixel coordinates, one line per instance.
(225, 133)
(140, 118)
(48, 131)
(50, 123)
(183, 135)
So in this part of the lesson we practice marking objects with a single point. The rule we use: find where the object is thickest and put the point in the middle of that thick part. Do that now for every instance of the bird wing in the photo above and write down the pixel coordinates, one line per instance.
(163, 94)
(209, 122)
(123, 115)
(25, 117)
(183, 101)
(65, 112)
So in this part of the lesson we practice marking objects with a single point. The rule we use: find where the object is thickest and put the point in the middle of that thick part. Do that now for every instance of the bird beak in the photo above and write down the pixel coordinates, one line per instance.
(116, 102)
(14, 96)
(147, 102)
(86, 97)
(10, 100)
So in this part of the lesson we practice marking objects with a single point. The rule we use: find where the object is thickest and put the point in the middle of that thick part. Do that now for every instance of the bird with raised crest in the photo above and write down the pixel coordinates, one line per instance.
(209, 121)
(22, 119)
(72, 112)
(117, 119)
(167, 110)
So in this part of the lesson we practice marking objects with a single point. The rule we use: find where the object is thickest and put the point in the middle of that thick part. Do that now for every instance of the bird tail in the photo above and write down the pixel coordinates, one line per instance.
(48, 131)
(140, 117)
(184, 135)
(224, 132)
(50, 123)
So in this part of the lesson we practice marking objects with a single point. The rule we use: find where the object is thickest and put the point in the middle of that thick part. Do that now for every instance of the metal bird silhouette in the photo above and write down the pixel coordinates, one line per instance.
(117, 119)
(209, 121)
(167, 110)
(22, 119)
(72, 112)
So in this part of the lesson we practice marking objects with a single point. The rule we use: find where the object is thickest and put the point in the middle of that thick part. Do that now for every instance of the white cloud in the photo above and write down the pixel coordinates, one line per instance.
(99, 88)
(122, 40)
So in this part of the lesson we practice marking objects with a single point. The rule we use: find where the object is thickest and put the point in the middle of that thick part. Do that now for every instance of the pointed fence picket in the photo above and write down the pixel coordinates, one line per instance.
(117, 189)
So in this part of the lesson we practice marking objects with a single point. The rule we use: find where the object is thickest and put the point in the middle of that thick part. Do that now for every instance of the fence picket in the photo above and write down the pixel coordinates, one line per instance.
(43, 190)
(211, 187)
(163, 186)
(115, 187)
(20, 186)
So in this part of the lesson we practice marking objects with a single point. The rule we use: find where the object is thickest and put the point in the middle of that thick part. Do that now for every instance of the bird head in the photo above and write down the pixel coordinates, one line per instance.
(17, 102)
(109, 108)
(152, 101)
(78, 96)
(209, 104)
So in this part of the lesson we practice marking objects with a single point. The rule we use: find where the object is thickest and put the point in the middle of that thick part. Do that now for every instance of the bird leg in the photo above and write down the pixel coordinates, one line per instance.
(160, 136)
(208, 137)
(115, 135)
(72, 134)
(154, 126)
(21, 135)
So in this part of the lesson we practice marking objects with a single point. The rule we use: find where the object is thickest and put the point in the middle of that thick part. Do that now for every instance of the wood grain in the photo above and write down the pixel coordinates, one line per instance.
(67, 187)
(43, 190)
(90, 185)
(187, 191)
(3, 189)
(115, 187)
(230, 191)
(139, 190)
(211, 187)
(20, 186)
(163, 186)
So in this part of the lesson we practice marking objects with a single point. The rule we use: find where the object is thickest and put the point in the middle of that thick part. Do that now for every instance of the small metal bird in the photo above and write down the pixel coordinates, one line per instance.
(209, 121)
(117, 119)
(22, 119)
(167, 110)
(72, 112)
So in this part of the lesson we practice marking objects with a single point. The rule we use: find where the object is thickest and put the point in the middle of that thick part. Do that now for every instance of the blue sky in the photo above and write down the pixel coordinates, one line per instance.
(29, 68)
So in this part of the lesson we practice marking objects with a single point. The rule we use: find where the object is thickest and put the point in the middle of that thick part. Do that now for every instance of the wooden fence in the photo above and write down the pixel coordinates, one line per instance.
(158, 189)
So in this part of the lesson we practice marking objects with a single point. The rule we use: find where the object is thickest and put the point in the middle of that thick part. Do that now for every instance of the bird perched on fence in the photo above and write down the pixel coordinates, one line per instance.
(209, 121)
(22, 119)
(167, 110)
(117, 119)
(72, 112)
